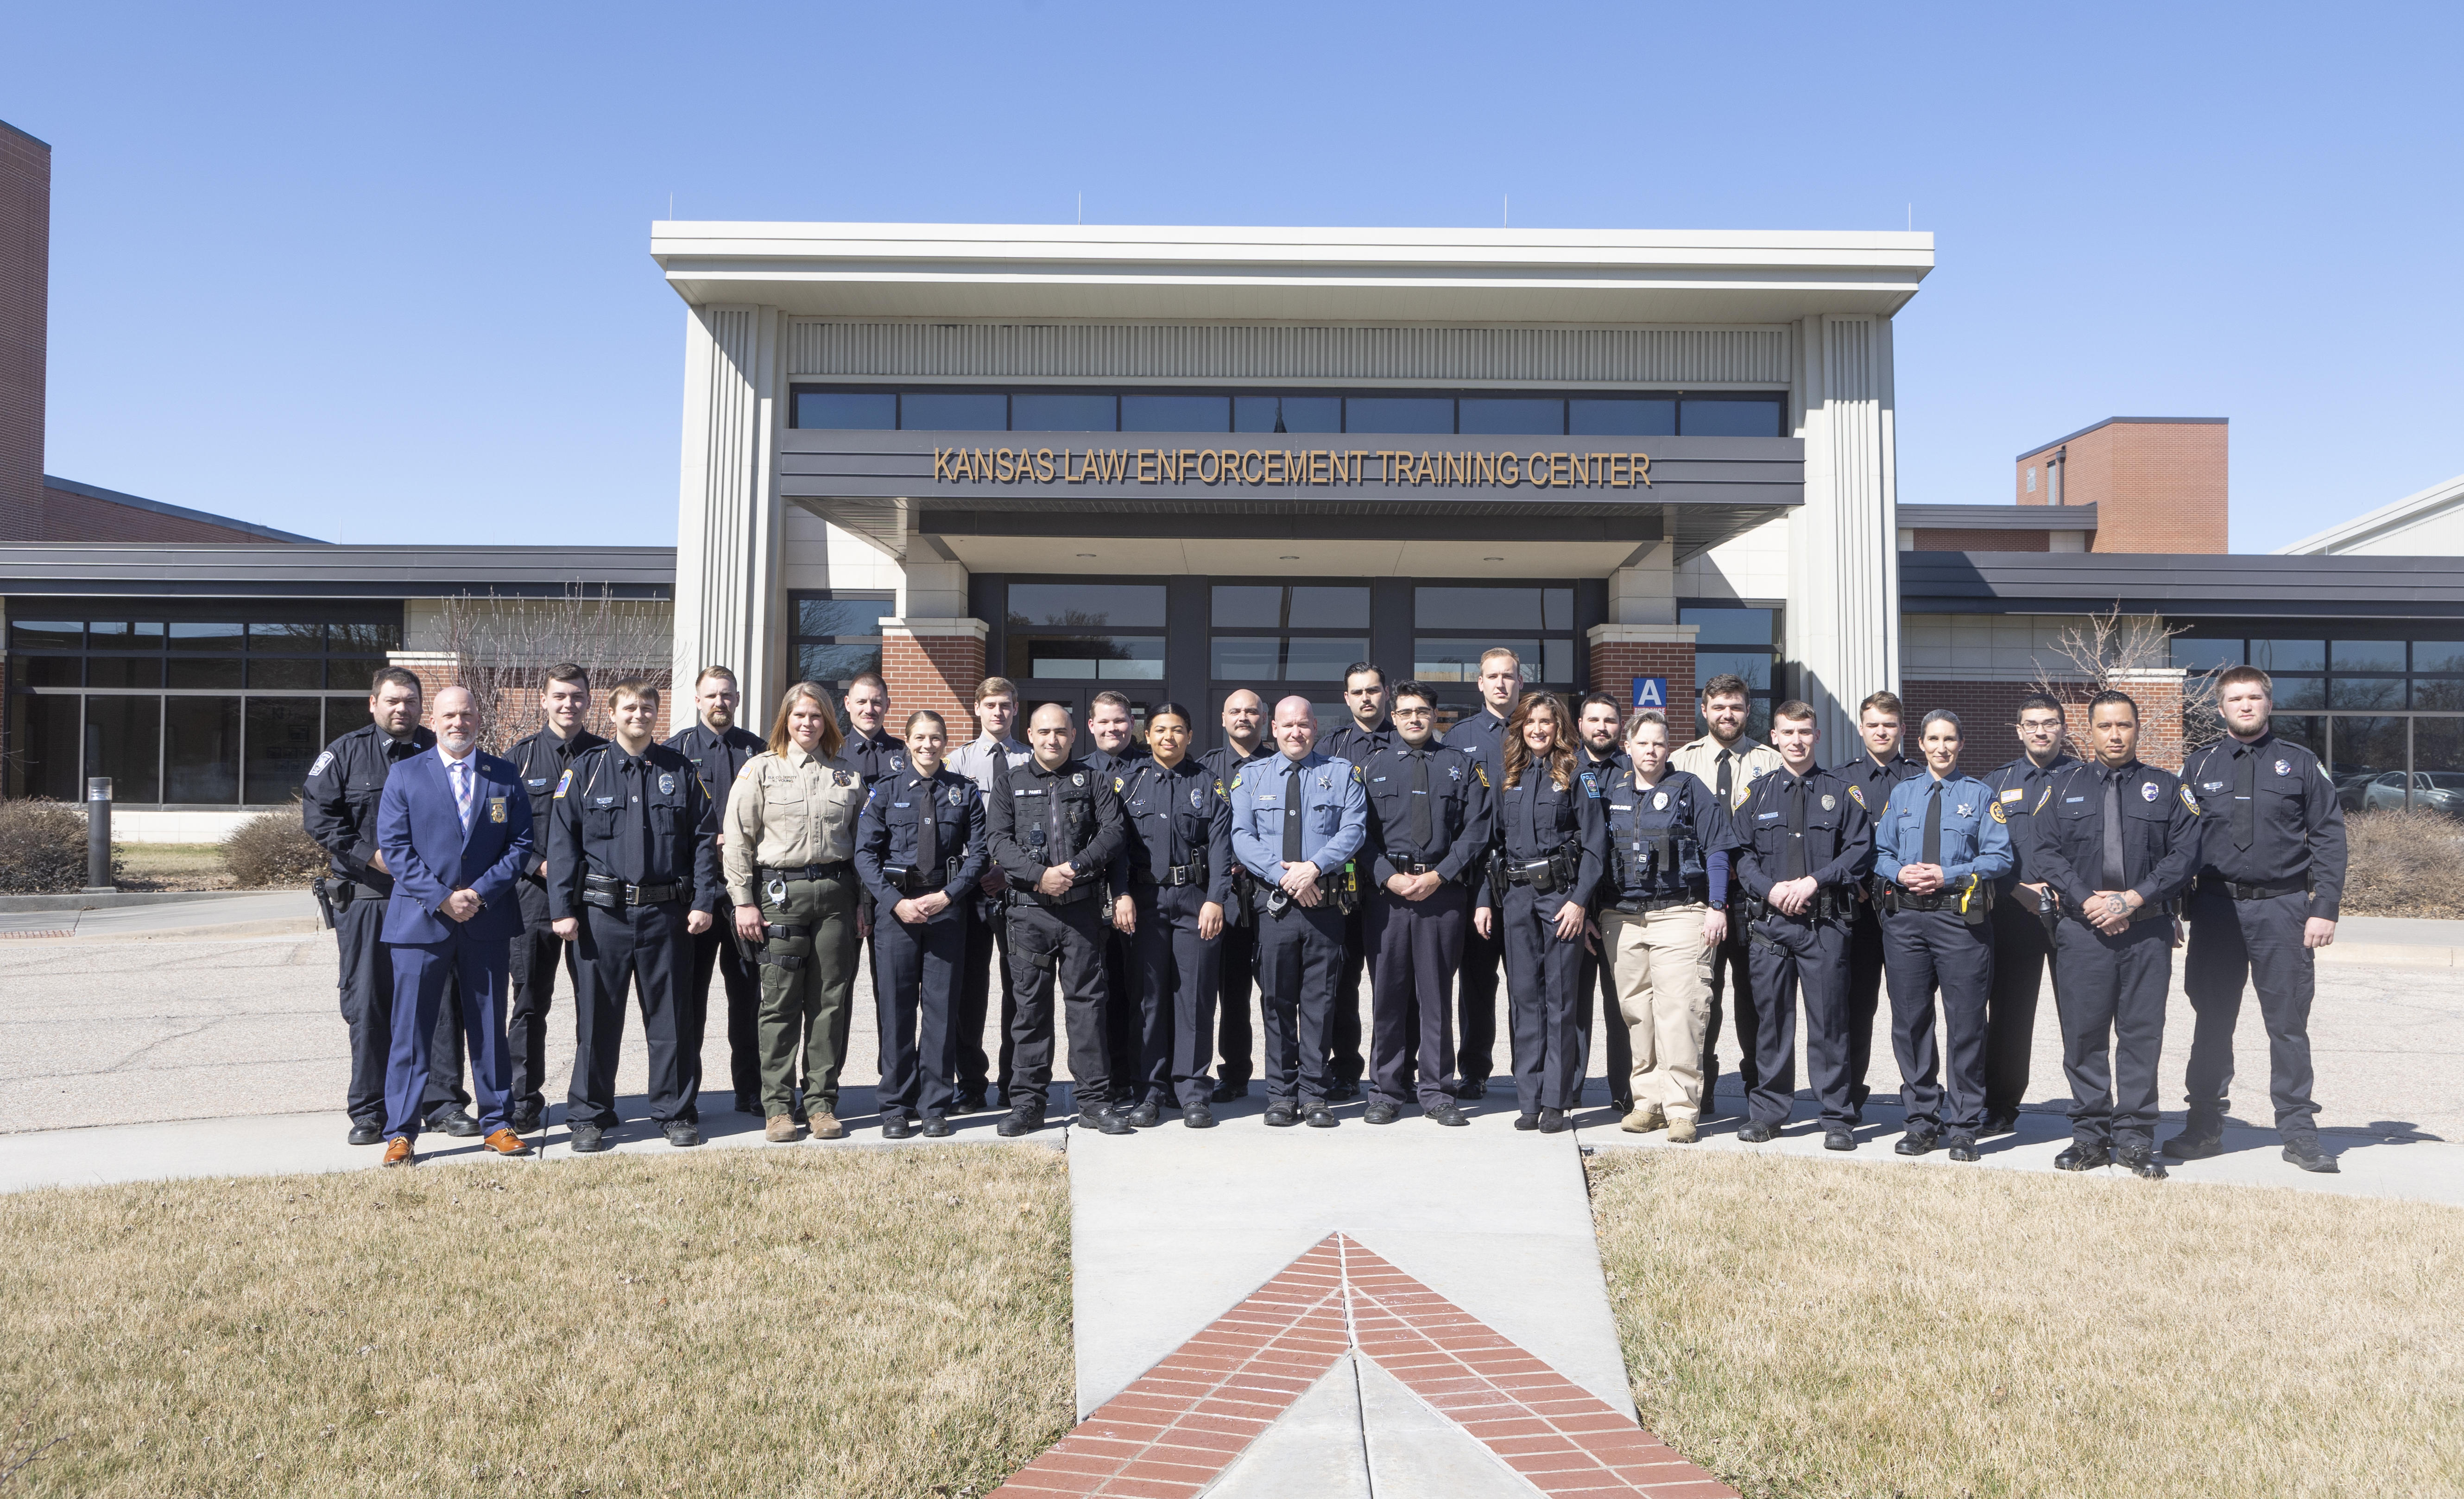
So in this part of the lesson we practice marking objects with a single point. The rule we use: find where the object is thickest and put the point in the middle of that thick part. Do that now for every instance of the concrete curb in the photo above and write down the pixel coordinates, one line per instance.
(13, 905)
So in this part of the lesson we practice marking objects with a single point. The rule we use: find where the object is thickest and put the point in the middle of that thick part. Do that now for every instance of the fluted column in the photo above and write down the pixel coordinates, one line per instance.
(1843, 619)
(728, 601)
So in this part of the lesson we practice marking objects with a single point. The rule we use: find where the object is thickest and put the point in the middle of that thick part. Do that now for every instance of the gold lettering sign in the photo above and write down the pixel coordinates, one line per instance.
(1281, 468)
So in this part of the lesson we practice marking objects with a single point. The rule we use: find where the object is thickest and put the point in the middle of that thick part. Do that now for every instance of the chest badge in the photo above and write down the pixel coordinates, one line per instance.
(957, 795)
(1660, 801)
(1078, 779)
(2283, 768)
(496, 809)
(1963, 808)
(1454, 772)
(666, 783)
(2148, 791)
(1198, 798)
(1829, 801)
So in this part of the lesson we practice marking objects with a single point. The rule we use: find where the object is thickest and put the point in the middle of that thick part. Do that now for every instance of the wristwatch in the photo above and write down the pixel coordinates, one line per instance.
(1719, 905)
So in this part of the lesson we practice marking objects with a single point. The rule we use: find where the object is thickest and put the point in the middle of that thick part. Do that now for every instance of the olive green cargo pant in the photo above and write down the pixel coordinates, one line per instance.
(807, 985)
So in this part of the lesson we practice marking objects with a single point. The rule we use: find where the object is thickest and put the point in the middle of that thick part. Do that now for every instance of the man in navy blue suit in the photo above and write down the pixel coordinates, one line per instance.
(455, 829)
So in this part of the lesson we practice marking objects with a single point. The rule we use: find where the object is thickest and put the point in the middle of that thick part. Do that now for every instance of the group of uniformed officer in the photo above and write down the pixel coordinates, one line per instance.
(1134, 893)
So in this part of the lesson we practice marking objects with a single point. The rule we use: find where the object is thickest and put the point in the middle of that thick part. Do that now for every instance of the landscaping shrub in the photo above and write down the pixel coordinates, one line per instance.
(2405, 864)
(42, 849)
(272, 848)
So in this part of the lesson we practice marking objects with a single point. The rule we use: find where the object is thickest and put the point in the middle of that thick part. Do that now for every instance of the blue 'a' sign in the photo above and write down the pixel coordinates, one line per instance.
(1651, 691)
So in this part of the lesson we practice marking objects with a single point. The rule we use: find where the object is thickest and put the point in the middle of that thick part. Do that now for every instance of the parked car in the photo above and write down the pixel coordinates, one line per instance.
(2438, 790)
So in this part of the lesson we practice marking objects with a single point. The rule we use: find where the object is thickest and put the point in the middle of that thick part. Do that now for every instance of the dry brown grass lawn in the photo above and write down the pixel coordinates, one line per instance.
(739, 1322)
(1805, 1328)
(172, 866)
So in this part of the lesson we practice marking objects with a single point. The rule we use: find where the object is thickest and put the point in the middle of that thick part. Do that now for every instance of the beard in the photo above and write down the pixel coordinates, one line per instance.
(719, 716)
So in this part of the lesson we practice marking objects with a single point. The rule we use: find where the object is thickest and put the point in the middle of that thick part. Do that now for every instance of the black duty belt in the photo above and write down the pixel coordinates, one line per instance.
(908, 880)
(1176, 875)
(614, 894)
(342, 891)
(833, 869)
(2218, 885)
(1651, 903)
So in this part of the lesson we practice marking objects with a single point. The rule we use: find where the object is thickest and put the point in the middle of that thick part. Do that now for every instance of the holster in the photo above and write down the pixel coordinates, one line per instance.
(324, 905)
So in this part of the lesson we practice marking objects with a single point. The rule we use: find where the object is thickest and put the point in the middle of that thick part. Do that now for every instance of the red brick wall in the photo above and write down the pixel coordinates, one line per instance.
(1978, 539)
(1987, 710)
(435, 675)
(25, 280)
(936, 672)
(1616, 663)
(2157, 486)
(81, 517)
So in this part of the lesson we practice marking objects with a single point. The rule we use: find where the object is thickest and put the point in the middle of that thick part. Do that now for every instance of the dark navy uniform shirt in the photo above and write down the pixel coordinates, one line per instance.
(875, 757)
(1177, 817)
(2295, 828)
(1838, 835)
(645, 820)
(716, 758)
(1482, 735)
(1112, 764)
(1644, 825)
(1871, 780)
(1536, 818)
(2019, 789)
(1035, 818)
(2160, 836)
(338, 804)
(539, 760)
(1355, 743)
(1459, 812)
(1224, 763)
(885, 834)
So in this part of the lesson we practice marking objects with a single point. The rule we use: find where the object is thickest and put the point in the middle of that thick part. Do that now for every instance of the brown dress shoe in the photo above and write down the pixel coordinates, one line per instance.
(505, 1142)
(781, 1130)
(825, 1124)
(398, 1151)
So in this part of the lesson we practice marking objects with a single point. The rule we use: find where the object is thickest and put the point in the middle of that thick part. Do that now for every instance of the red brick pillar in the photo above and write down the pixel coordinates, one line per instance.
(1622, 652)
(936, 664)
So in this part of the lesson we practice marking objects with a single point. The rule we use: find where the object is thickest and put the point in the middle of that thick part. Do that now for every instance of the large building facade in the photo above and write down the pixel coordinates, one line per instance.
(1175, 462)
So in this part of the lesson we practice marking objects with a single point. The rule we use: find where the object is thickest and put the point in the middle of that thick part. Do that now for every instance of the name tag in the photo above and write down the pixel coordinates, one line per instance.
(2015, 794)
(2068, 798)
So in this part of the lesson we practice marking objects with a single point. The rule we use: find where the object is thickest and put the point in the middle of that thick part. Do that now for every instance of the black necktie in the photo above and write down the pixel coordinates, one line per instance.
(1293, 815)
(2112, 870)
(637, 825)
(927, 838)
(1173, 843)
(1420, 803)
(1723, 788)
(1796, 830)
(1934, 826)
(2245, 808)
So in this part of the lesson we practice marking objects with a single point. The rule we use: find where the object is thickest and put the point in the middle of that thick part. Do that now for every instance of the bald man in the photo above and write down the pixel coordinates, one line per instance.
(1245, 740)
(1297, 820)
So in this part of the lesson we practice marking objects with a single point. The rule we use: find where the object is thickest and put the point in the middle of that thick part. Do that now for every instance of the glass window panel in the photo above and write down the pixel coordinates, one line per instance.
(2437, 655)
(2194, 655)
(2368, 655)
(1556, 608)
(1438, 608)
(2289, 655)
(2300, 691)
(1398, 414)
(283, 737)
(2365, 692)
(201, 749)
(1316, 608)
(1176, 413)
(1087, 657)
(2432, 693)
(205, 637)
(1459, 660)
(1729, 627)
(841, 616)
(1287, 415)
(1559, 658)
(364, 637)
(1132, 605)
(2368, 747)
(1750, 418)
(1612, 416)
(115, 635)
(846, 410)
(205, 671)
(2438, 750)
(1248, 605)
(951, 411)
(1321, 660)
(286, 639)
(1063, 411)
(1252, 659)
(1510, 416)
(35, 634)
(45, 671)
(352, 674)
(43, 744)
(836, 665)
(127, 733)
(1753, 666)
(281, 672)
(2306, 730)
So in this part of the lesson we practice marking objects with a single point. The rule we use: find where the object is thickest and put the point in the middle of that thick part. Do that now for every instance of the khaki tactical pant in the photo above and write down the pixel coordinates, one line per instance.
(808, 984)
(1663, 984)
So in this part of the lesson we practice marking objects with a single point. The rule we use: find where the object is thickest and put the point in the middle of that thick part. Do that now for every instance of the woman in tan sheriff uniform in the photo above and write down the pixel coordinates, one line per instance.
(790, 850)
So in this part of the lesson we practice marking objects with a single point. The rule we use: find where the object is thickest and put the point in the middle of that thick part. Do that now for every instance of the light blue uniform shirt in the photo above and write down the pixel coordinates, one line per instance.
(1972, 840)
(1333, 813)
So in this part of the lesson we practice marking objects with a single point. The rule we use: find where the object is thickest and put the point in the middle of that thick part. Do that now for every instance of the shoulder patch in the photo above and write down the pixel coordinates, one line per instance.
(1482, 771)
(1359, 773)
(1995, 809)
(1119, 785)
(1219, 785)
(323, 761)
(2187, 799)
(563, 783)
(1236, 782)
(1592, 784)
(1856, 794)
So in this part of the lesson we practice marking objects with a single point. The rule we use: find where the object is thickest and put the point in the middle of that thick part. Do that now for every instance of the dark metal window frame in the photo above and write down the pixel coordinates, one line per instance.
(1365, 632)
(796, 639)
(1456, 394)
(2327, 634)
(1012, 630)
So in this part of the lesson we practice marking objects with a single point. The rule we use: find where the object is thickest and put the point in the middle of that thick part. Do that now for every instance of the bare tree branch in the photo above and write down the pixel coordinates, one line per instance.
(501, 645)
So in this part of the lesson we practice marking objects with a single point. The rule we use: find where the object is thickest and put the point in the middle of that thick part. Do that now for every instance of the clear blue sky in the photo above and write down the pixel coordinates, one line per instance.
(383, 274)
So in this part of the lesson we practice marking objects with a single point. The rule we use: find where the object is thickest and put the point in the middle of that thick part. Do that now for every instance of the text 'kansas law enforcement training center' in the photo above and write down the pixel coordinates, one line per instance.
(1173, 462)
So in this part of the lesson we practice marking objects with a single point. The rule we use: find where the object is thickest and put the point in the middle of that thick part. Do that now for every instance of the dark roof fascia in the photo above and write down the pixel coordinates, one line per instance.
(1999, 517)
(2235, 584)
(181, 512)
(257, 570)
(2125, 421)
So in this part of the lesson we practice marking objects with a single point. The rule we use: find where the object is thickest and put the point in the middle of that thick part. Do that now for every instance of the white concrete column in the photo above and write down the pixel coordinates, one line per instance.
(1644, 590)
(730, 611)
(1843, 624)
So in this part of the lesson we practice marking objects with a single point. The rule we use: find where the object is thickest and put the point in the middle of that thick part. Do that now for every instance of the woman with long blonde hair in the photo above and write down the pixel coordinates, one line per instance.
(1554, 845)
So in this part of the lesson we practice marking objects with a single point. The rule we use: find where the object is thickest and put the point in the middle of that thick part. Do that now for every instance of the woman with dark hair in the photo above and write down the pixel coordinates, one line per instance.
(919, 850)
(1172, 883)
(789, 851)
(1551, 847)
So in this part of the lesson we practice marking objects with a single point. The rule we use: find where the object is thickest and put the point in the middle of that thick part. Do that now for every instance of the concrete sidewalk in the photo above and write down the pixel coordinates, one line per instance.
(205, 914)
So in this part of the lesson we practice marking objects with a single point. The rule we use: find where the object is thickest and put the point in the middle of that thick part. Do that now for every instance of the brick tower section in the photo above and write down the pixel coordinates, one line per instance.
(25, 294)
(936, 664)
(1622, 652)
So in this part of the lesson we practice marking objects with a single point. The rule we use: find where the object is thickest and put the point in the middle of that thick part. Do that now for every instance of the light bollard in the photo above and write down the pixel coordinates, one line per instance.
(97, 835)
